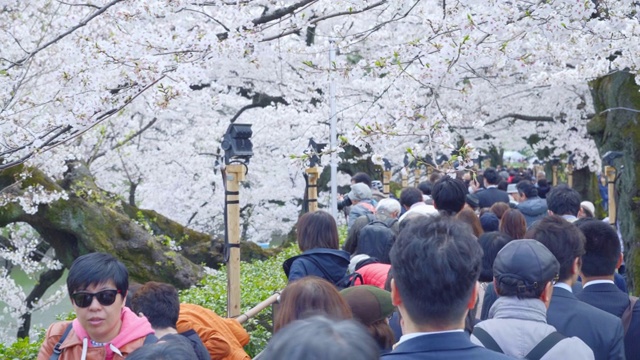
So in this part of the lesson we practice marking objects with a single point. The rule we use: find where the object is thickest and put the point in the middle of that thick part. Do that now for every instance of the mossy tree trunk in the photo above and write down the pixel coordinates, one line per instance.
(616, 126)
(92, 219)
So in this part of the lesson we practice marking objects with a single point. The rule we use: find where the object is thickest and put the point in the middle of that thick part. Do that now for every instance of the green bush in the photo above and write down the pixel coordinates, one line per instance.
(259, 279)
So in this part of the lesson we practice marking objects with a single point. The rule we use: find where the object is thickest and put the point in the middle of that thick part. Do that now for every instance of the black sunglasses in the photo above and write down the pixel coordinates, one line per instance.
(105, 297)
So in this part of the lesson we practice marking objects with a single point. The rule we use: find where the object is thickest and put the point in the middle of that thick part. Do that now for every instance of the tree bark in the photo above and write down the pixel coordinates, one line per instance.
(94, 220)
(616, 127)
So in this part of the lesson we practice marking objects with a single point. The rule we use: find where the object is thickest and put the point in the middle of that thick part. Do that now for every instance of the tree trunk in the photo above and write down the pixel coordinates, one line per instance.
(94, 220)
(616, 127)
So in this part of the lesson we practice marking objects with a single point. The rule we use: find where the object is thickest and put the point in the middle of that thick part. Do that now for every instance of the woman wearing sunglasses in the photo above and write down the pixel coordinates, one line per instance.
(104, 327)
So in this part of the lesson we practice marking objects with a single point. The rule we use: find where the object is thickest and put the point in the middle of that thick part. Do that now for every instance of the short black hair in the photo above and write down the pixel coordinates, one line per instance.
(526, 188)
(491, 243)
(319, 338)
(449, 194)
(491, 175)
(97, 268)
(173, 347)
(563, 200)
(562, 238)
(602, 247)
(159, 303)
(410, 196)
(361, 177)
(436, 262)
(426, 187)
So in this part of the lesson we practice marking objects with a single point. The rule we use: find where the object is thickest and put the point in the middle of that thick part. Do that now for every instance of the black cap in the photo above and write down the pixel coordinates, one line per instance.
(524, 266)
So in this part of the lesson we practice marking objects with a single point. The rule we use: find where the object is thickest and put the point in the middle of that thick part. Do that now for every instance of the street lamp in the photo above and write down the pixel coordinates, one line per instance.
(236, 144)
(314, 151)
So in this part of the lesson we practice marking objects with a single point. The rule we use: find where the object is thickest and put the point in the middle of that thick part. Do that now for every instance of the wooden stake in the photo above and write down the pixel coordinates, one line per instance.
(235, 174)
(570, 175)
(405, 179)
(386, 179)
(555, 175)
(312, 190)
(416, 174)
(610, 171)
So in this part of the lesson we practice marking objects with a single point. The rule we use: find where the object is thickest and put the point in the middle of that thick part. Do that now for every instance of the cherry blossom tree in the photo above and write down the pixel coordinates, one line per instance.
(141, 91)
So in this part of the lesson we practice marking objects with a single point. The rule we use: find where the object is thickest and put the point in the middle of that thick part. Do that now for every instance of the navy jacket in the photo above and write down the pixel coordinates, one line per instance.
(609, 298)
(456, 345)
(333, 264)
(600, 330)
(491, 196)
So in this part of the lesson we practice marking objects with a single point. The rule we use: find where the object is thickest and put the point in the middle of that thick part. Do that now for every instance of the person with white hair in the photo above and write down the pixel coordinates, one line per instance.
(381, 228)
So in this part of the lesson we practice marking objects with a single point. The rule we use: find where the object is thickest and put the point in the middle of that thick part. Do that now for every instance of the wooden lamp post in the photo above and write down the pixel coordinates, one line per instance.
(386, 177)
(570, 164)
(238, 150)
(610, 171)
(314, 151)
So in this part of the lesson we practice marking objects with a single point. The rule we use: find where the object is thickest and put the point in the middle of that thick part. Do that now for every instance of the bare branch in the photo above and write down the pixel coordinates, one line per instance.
(64, 34)
(522, 117)
(281, 12)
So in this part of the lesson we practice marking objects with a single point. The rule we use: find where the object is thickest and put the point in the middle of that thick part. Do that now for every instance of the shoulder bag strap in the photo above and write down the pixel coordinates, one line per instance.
(628, 312)
(56, 349)
(545, 345)
(486, 340)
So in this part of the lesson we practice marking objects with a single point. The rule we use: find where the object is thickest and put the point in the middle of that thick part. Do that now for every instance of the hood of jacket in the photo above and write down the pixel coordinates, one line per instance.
(533, 207)
(133, 328)
(334, 262)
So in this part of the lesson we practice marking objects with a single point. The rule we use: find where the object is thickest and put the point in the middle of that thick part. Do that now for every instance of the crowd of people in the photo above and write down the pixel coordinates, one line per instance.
(493, 266)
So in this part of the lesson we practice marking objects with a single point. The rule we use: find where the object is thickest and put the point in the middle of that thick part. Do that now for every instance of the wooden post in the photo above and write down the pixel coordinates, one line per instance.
(312, 190)
(570, 175)
(235, 174)
(610, 171)
(405, 180)
(386, 179)
(416, 174)
(555, 175)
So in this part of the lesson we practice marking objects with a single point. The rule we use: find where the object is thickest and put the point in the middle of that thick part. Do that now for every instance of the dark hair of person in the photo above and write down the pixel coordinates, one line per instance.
(503, 185)
(491, 175)
(382, 334)
(97, 268)
(513, 224)
(173, 349)
(526, 188)
(159, 303)
(587, 212)
(319, 338)
(499, 209)
(435, 176)
(449, 195)
(602, 247)
(562, 238)
(469, 217)
(563, 200)
(436, 245)
(491, 243)
(317, 229)
(361, 177)
(410, 196)
(425, 187)
(509, 287)
(309, 296)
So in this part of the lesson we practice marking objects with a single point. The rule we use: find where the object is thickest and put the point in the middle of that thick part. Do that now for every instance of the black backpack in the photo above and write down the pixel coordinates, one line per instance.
(376, 239)
(346, 281)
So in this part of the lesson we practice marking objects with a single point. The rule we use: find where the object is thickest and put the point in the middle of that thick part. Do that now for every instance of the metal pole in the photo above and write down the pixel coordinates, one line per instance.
(235, 174)
(334, 133)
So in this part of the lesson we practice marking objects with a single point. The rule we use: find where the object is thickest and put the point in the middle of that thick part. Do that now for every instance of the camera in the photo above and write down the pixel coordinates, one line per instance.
(345, 202)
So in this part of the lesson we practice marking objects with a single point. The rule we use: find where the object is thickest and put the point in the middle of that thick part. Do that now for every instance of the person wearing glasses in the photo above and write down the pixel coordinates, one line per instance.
(104, 328)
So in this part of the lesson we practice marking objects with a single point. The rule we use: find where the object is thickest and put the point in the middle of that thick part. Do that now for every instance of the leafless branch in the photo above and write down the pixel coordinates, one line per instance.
(279, 13)
(522, 117)
(82, 23)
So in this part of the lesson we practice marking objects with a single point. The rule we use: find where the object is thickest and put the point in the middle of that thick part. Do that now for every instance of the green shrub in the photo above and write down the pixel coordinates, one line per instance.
(259, 279)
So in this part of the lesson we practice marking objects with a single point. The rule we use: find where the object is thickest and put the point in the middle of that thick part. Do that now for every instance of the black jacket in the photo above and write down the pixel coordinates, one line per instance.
(491, 196)
(328, 264)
